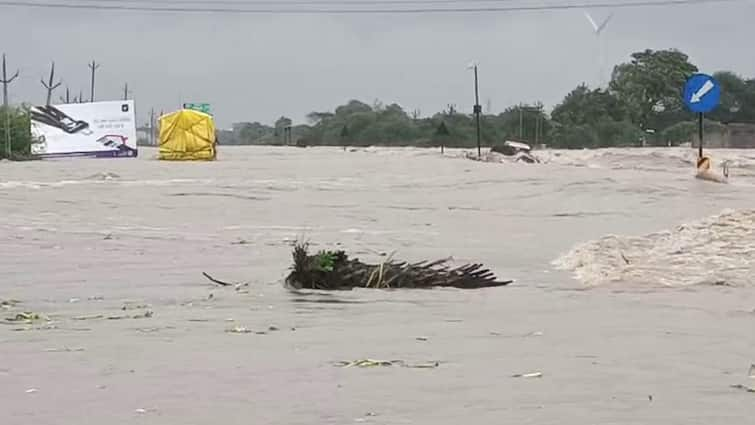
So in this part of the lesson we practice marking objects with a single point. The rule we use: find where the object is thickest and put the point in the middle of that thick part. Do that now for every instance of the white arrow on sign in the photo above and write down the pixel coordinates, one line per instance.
(702, 91)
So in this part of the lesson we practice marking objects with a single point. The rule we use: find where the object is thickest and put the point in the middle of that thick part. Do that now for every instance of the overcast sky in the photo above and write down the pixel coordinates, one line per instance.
(259, 67)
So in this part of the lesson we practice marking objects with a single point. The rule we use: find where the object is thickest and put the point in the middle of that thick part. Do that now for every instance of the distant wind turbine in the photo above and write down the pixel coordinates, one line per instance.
(598, 29)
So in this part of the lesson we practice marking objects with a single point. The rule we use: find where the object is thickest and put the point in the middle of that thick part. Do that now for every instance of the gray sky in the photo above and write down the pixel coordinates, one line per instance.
(259, 67)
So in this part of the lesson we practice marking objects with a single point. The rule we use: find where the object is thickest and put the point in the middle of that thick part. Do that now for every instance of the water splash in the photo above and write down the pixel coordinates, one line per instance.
(717, 250)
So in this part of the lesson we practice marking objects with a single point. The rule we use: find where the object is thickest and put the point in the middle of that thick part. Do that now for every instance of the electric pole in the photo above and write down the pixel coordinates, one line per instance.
(93, 66)
(6, 110)
(67, 99)
(477, 110)
(152, 127)
(50, 86)
(521, 123)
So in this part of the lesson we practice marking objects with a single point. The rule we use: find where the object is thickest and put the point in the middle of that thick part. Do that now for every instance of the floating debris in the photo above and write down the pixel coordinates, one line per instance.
(63, 350)
(47, 327)
(128, 306)
(334, 270)
(744, 388)
(7, 304)
(366, 416)
(146, 315)
(27, 317)
(237, 286)
(90, 317)
(750, 375)
(365, 363)
(527, 335)
(528, 375)
(244, 330)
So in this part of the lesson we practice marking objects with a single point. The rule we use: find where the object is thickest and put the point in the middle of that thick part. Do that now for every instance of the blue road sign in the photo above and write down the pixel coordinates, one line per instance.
(701, 93)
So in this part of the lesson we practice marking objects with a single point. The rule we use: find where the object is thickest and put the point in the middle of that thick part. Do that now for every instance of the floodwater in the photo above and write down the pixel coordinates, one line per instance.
(633, 295)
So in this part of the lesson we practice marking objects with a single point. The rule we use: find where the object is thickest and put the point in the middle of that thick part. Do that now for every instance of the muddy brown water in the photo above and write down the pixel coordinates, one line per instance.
(104, 241)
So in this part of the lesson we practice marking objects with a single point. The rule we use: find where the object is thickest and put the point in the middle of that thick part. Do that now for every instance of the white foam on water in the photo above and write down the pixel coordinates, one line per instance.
(102, 178)
(719, 250)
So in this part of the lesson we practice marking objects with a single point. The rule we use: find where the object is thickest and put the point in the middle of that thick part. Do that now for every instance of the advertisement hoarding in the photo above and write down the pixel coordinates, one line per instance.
(99, 129)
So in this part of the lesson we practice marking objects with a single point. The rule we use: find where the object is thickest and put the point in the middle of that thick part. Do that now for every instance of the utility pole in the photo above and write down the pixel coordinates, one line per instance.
(152, 127)
(93, 66)
(125, 92)
(521, 124)
(67, 99)
(6, 110)
(477, 109)
(50, 86)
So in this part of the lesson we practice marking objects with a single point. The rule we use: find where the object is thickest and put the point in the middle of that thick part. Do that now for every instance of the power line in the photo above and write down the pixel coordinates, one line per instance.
(305, 2)
(278, 11)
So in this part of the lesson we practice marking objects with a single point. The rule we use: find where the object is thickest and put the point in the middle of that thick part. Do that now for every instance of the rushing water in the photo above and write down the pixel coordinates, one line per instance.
(632, 279)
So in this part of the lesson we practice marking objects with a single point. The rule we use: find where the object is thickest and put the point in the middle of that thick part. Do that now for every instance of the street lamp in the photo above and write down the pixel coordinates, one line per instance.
(477, 107)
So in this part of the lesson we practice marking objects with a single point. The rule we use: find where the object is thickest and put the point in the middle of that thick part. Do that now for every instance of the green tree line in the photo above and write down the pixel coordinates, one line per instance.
(641, 105)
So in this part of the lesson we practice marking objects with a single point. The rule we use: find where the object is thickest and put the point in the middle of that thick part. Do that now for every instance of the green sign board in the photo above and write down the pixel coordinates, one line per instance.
(201, 107)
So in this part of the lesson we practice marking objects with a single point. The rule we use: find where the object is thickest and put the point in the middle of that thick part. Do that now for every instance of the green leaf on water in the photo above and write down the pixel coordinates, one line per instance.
(325, 261)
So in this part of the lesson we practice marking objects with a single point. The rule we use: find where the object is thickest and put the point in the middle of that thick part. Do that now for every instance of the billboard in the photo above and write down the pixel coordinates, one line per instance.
(98, 129)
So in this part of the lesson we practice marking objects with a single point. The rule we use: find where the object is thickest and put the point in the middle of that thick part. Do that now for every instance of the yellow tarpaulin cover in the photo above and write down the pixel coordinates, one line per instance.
(187, 135)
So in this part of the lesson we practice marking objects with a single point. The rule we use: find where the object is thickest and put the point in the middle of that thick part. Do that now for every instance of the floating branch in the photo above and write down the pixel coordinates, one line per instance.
(334, 270)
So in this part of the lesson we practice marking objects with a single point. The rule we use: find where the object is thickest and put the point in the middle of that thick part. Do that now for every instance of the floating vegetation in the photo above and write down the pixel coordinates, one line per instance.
(334, 270)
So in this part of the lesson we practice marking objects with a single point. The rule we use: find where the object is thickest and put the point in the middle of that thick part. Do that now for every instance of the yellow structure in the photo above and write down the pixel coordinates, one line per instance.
(187, 135)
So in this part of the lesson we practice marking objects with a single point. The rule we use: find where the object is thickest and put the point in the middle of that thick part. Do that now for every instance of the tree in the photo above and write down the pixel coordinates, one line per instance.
(651, 82)
(281, 124)
(584, 106)
(353, 107)
(20, 135)
(252, 133)
(441, 136)
(317, 117)
(737, 99)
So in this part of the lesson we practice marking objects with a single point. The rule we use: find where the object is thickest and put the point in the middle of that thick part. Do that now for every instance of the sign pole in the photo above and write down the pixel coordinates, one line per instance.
(702, 93)
(700, 133)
